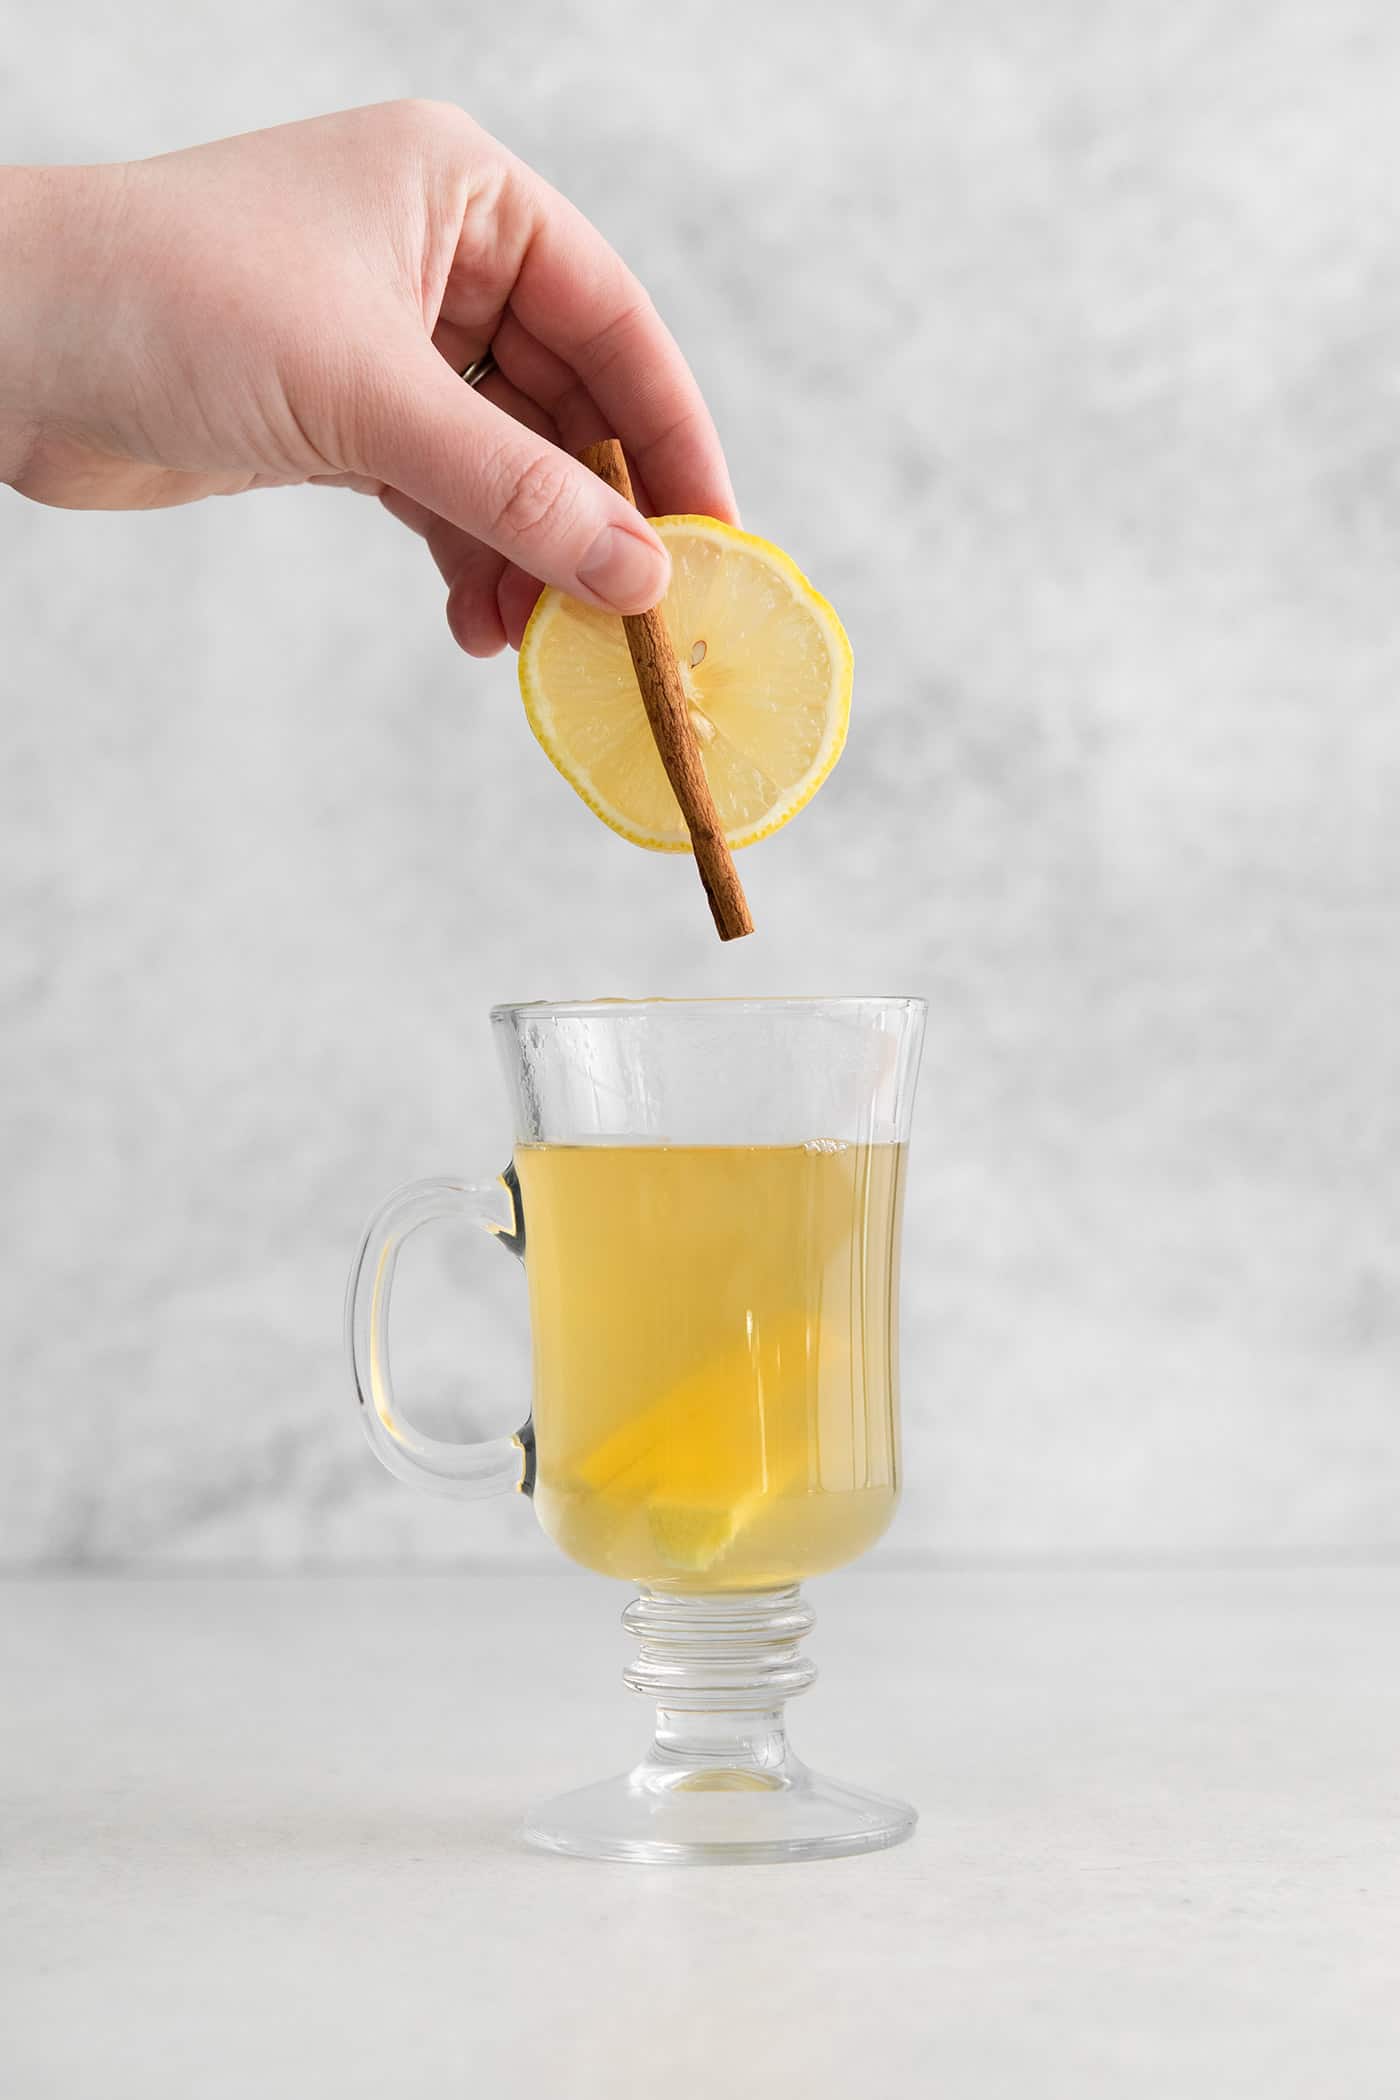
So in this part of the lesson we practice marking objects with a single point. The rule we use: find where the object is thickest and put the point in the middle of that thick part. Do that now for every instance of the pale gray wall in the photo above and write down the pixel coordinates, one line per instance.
(1061, 343)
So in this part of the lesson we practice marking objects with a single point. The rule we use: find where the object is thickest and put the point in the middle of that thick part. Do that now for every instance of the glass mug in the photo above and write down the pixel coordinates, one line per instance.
(706, 1196)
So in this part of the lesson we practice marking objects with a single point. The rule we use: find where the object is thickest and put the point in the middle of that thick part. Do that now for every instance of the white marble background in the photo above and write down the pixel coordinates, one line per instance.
(1061, 343)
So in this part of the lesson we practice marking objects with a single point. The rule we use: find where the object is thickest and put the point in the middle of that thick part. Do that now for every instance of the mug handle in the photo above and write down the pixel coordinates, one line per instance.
(468, 1472)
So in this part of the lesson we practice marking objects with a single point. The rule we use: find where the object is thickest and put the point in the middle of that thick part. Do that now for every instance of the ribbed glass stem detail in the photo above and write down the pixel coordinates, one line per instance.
(703, 1654)
(720, 1670)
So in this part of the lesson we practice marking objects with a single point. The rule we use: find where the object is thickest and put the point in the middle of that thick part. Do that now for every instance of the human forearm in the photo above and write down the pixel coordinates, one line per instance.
(54, 225)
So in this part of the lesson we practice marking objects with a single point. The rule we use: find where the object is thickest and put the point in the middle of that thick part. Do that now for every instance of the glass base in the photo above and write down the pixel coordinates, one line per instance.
(702, 1822)
(719, 1783)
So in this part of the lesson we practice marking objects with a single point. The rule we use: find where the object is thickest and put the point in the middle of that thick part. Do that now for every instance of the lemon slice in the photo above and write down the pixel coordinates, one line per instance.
(692, 1539)
(766, 666)
(697, 1460)
(701, 1443)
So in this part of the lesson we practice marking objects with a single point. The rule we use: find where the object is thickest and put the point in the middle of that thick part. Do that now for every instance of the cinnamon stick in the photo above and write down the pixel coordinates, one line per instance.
(668, 712)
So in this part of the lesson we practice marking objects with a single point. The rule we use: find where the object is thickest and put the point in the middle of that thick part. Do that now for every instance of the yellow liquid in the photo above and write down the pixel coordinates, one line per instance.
(715, 1333)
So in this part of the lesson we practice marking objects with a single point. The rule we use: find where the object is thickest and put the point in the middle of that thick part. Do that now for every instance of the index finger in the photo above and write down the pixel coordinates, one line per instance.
(578, 298)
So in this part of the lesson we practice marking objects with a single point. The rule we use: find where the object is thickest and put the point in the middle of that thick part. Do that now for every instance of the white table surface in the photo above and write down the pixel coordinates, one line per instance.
(258, 1841)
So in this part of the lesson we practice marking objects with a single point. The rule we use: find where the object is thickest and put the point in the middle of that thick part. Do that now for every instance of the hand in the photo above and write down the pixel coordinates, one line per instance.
(296, 305)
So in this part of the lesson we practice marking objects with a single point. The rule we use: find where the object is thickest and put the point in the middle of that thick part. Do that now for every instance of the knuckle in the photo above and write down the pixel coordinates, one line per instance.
(440, 132)
(615, 340)
(421, 114)
(532, 498)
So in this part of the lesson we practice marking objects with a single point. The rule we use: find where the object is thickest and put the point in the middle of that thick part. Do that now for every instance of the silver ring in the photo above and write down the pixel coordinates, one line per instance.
(480, 368)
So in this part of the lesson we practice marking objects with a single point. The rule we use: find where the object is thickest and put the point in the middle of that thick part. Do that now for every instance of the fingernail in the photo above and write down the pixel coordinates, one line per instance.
(624, 570)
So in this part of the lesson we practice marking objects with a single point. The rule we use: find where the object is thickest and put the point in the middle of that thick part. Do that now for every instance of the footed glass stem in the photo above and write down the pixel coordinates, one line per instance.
(719, 1782)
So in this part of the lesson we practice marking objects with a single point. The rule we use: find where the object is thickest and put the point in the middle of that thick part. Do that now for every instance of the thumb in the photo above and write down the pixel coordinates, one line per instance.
(438, 442)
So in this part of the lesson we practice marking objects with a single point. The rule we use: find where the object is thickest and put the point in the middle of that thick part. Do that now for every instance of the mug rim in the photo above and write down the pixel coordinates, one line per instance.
(764, 1003)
